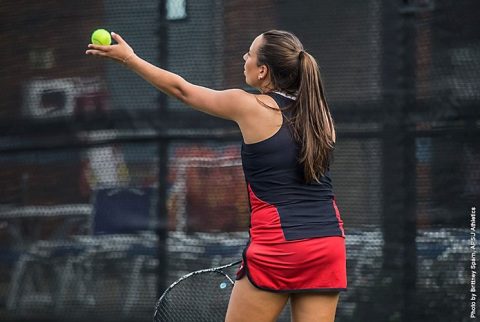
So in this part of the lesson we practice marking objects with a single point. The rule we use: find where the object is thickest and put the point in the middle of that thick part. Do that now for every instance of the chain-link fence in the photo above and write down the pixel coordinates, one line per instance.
(110, 191)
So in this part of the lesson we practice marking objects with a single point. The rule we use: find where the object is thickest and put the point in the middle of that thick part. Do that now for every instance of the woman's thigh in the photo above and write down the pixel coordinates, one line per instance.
(250, 304)
(314, 307)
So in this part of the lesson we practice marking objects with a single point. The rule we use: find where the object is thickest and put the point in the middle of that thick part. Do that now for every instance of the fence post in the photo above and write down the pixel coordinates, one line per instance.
(395, 287)
(162, 229)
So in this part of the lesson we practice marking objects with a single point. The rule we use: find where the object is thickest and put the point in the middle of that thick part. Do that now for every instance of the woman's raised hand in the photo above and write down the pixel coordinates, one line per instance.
(120, 52)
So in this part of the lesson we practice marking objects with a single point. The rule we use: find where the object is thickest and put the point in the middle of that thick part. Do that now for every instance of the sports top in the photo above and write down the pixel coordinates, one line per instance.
(275, 181)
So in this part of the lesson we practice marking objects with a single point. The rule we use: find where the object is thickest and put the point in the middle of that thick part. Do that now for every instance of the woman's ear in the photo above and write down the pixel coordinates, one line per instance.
(263, 72)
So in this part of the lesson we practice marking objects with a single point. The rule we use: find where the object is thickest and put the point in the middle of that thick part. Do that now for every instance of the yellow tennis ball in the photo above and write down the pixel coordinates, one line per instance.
(101, 37)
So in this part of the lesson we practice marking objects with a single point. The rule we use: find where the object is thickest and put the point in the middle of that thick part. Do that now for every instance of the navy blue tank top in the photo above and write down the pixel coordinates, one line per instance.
(275, 176)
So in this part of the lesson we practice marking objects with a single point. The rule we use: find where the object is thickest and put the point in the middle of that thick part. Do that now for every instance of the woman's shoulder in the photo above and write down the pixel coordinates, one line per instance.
(267, 101)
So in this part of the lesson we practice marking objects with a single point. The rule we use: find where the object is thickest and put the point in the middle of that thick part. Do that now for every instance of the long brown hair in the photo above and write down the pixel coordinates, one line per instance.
(295, 72)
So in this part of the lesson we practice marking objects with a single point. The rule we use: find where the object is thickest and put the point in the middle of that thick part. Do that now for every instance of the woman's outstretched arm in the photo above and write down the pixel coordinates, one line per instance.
(230, 104)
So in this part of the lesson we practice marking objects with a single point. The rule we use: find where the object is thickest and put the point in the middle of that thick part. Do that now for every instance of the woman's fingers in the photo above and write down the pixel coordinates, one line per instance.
(95, 52)
(101, 50)
(98, 47)
(118, 52)
(118, 38)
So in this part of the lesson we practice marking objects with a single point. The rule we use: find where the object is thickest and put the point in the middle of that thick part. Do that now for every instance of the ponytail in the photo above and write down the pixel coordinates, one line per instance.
(295, 72)
(312, 122)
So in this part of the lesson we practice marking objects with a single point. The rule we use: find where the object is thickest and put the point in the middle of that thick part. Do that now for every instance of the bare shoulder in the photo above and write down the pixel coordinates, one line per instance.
(262, 119)
(229, 104)
(249, 102)
(266, 101)
(252, 100)
(258, 106)
(234, 104)
(238, 99)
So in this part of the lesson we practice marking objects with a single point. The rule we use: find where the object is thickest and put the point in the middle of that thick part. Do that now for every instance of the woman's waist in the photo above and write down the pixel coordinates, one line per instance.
(272, 236)
(294, 204)
(295, 222)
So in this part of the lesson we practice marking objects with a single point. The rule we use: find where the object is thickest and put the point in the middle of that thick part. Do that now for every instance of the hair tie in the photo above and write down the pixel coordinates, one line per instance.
(301, 53)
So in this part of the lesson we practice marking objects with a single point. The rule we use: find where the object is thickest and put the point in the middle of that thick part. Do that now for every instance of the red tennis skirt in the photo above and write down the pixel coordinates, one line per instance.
(305, 265)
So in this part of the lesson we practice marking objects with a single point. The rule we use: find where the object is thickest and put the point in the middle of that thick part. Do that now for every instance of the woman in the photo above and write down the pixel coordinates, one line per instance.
(297, 243)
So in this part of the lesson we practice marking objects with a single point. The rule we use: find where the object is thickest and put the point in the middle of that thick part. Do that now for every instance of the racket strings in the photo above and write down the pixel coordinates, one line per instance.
(202, 296)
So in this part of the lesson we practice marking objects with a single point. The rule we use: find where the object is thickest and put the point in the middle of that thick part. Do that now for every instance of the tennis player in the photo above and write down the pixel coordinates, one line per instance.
(296, 249)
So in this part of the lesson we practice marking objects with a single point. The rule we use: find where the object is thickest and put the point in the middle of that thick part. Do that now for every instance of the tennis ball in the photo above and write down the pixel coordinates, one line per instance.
(101, 37)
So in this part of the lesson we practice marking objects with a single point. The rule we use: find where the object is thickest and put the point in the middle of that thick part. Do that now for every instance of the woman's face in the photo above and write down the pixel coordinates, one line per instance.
(254, 74)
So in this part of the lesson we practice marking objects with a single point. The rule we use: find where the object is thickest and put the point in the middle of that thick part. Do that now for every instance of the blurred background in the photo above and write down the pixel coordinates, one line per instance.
(109, 190)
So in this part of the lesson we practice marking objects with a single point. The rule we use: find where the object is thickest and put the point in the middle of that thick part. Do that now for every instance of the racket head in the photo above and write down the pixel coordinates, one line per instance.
(196, 297)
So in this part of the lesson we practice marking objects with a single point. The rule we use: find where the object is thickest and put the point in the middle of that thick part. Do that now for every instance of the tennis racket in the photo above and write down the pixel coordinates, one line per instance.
(200, 296)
